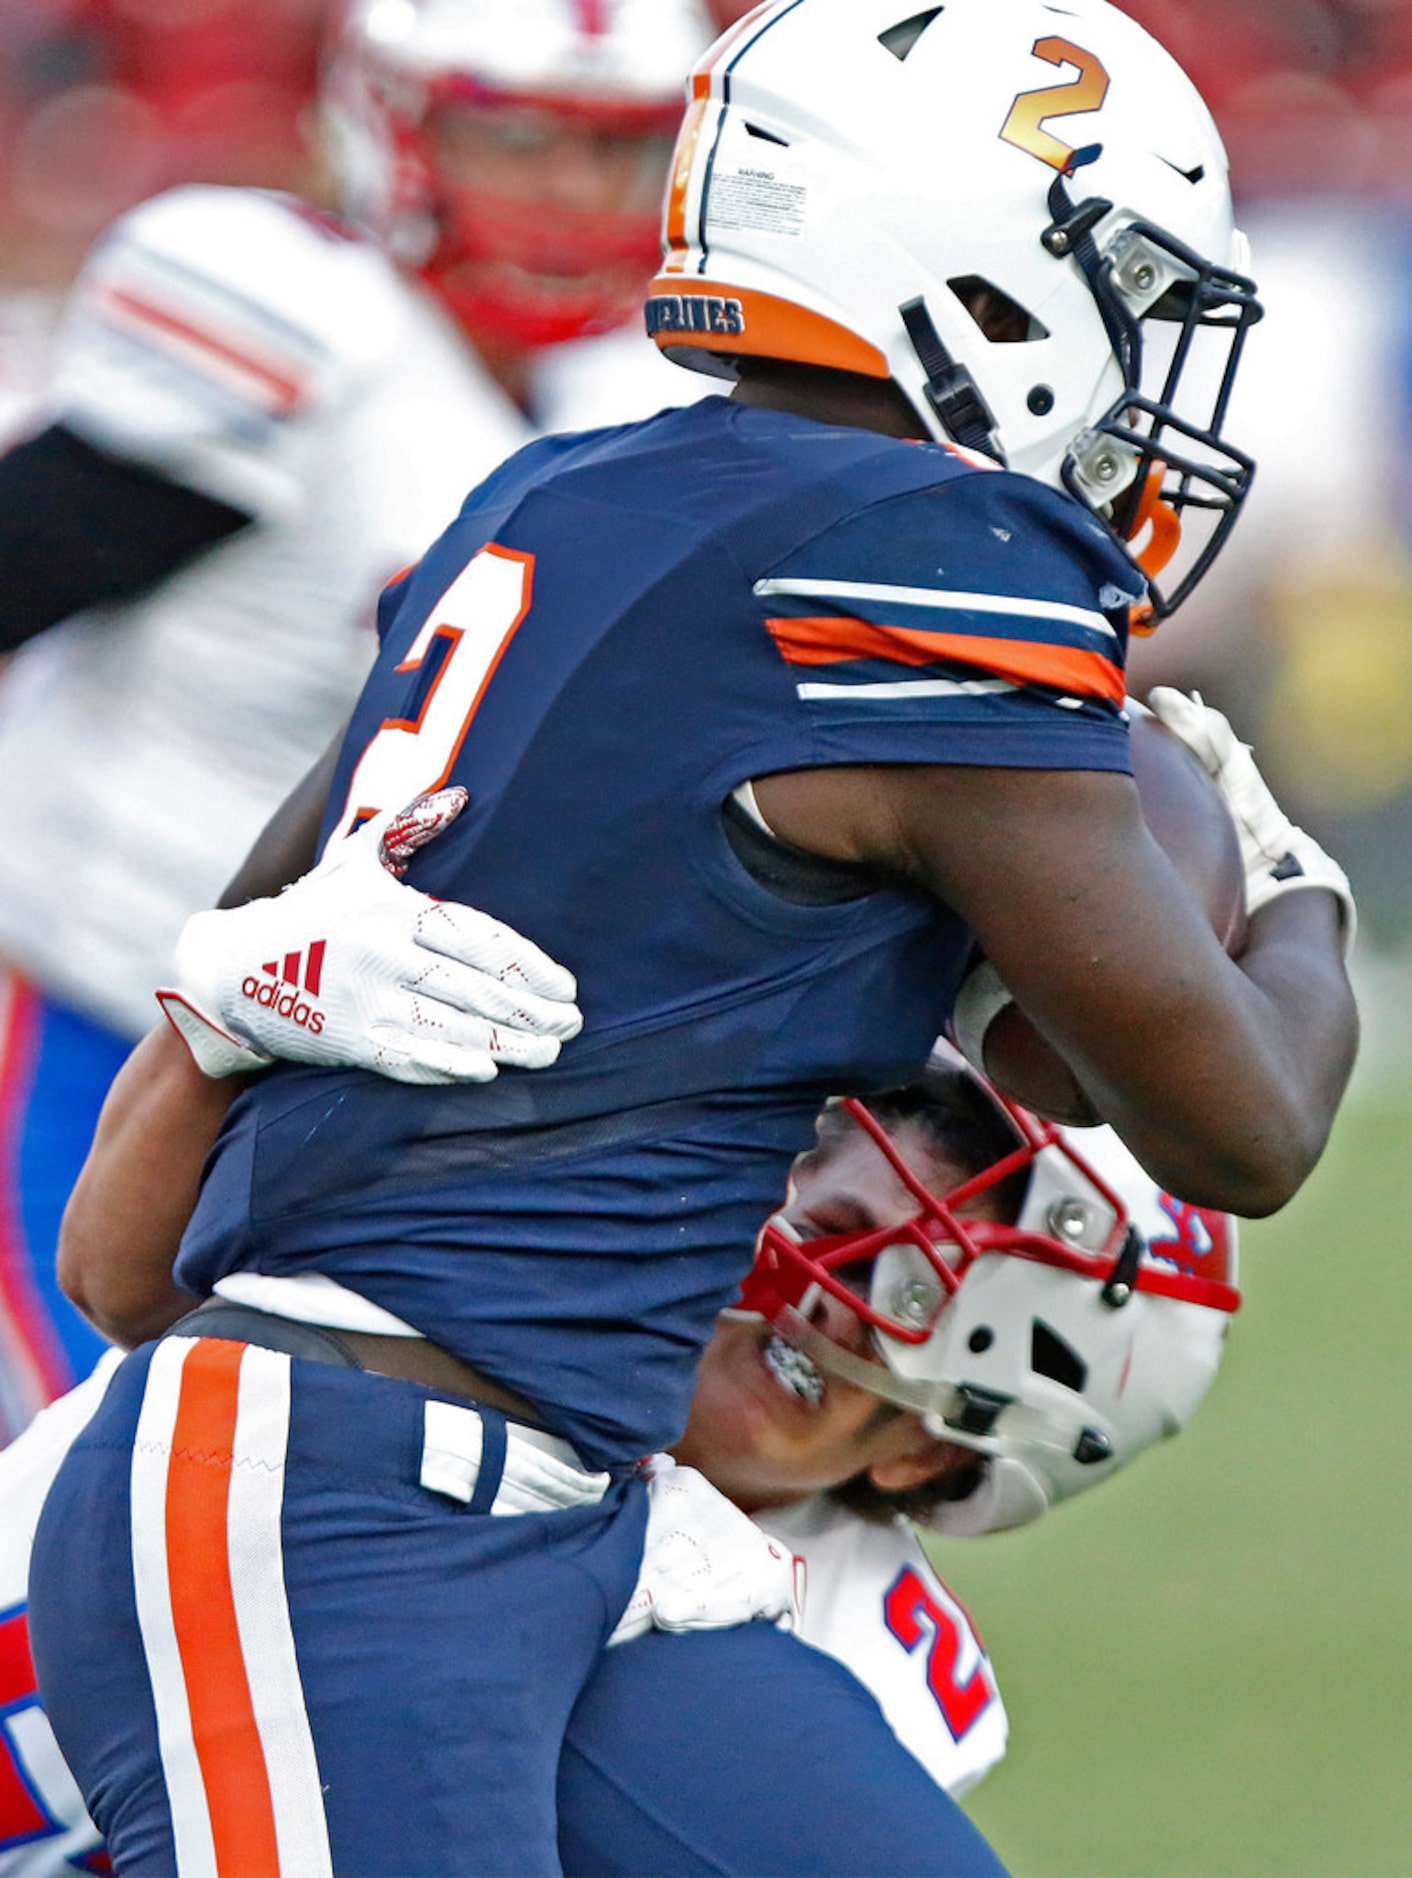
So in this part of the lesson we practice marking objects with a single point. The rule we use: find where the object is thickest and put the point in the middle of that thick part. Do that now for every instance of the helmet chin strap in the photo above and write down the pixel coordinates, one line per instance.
(1070, 235)
(950, 1411)
(951, 391)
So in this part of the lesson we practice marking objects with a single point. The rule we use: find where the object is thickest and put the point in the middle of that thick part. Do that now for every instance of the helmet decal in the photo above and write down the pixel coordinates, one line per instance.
(1024, 126)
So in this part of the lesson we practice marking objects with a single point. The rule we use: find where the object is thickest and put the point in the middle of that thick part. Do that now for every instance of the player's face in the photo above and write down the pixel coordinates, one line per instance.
(549, 217)
(765, 1426)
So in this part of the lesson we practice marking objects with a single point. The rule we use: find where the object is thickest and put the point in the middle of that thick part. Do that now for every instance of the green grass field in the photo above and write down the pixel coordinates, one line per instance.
(1208, 1664)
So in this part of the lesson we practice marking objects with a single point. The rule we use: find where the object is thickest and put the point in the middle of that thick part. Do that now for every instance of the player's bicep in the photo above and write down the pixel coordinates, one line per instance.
(1091, 930)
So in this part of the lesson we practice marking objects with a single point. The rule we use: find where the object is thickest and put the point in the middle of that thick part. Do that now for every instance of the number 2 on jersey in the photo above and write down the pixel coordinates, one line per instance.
(457, 650)
(915, 1617)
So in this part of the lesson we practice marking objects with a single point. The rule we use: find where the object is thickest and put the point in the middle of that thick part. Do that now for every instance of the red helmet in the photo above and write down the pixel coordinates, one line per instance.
(514, 151)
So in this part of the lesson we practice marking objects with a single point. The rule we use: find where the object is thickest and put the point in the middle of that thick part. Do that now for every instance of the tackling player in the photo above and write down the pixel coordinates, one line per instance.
(261, 412)
(826, 1458)
(1044, 1315)
(824, 604)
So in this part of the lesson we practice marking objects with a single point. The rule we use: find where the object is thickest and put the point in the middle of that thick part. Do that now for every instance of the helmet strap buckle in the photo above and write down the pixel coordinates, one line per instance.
(951, 391)
(974, 1410)
(1073, 222)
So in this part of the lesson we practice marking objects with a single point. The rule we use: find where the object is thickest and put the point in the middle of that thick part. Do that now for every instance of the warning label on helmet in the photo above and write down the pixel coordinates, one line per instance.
(757, 199)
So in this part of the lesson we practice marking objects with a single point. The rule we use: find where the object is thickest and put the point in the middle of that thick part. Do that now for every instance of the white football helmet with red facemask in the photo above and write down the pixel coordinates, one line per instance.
(1058, 1347)
(513, 150)
(1019, 214)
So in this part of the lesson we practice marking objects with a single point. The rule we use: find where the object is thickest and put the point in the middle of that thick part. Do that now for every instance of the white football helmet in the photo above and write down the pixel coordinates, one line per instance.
(1019, 214)
(529, 273)
(1059, 1346)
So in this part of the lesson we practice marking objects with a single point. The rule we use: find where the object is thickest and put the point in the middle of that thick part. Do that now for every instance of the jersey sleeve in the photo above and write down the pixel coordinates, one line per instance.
(213, 333)
(981, 620)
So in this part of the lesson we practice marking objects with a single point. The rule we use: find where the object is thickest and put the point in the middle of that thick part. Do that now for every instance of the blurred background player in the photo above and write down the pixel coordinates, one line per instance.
(258, 415)
(1029, 1225)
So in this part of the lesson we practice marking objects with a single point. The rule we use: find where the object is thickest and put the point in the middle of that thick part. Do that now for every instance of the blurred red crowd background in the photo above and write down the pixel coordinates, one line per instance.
(104, 101)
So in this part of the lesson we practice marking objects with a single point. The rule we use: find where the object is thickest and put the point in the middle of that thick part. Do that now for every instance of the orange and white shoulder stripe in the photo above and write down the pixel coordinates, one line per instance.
(837, 637)
(207, 1494)
(208, 327)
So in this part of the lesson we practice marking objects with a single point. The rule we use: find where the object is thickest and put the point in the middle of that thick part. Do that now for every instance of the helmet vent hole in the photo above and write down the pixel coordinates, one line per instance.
(900, 39)
(766, 136)
(1051, 1356)
(1003, 320)
(980, 1339)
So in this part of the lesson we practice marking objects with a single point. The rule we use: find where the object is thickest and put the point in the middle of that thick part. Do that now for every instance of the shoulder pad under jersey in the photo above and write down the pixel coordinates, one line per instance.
(211, 327)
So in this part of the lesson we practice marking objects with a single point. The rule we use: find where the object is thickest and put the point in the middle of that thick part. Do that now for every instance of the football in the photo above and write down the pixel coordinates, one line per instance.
(1184, 810)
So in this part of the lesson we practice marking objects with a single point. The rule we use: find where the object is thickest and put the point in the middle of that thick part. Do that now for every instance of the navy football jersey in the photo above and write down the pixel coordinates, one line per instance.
(619, 628)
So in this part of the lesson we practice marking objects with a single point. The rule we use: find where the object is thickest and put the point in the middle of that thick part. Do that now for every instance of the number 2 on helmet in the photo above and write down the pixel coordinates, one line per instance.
(1024, 126)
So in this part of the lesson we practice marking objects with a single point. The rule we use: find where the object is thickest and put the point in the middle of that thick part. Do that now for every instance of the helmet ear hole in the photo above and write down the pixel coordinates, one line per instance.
(1052, 1356)
(999, 316)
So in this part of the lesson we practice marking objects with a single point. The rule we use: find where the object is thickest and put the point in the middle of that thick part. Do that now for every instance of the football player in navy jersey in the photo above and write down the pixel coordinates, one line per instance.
(767, 713)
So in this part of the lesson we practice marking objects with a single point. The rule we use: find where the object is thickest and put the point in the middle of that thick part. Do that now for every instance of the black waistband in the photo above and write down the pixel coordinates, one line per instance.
(242, 1323)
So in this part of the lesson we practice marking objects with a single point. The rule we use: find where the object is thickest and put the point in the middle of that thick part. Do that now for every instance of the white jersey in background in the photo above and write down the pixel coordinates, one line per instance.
(44, 1830)
(247, 346)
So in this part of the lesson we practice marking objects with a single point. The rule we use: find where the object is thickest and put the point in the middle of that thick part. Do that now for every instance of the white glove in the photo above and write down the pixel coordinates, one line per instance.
(349, 967)
(1279, 858)
(982, 997)
(705, 1564)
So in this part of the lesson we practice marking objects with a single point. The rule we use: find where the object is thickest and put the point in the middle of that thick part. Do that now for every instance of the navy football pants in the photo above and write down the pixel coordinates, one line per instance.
(745, 1752)
(267, 1649)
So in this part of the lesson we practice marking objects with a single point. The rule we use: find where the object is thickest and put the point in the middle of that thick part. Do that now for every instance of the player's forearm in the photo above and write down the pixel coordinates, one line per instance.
(1266, 1060)
(1294, 960)
(132, 1200)
(1223, 1079)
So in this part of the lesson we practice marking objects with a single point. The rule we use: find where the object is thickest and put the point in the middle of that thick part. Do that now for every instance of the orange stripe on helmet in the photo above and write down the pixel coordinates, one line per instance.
(834, 638)
(713, 317)
(223, 1725)
(683, 159)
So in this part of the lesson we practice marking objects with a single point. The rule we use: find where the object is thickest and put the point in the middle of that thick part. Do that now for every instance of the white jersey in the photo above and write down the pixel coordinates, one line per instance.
(27, 321)
(240, 343)
(873, 1600)
(44, 1830)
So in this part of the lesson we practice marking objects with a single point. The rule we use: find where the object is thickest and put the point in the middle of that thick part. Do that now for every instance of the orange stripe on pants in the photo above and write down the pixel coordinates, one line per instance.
(203, 1615)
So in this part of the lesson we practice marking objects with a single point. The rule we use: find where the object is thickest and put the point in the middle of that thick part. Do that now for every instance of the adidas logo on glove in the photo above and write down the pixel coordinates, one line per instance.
(278, 991)
(426, 991)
